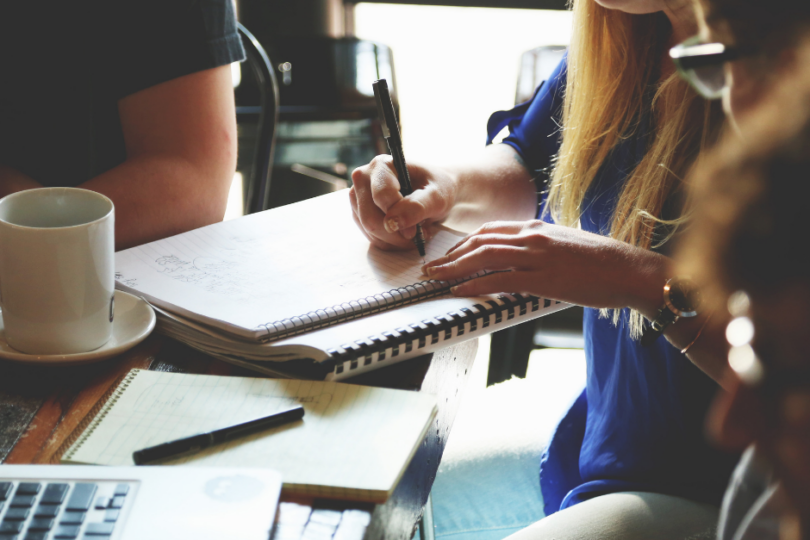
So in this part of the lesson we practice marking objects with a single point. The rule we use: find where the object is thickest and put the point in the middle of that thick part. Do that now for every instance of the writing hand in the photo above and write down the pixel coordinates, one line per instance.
(386, 217)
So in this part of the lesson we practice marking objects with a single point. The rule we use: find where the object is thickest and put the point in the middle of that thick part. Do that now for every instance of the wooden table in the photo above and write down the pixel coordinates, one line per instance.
(40, 406)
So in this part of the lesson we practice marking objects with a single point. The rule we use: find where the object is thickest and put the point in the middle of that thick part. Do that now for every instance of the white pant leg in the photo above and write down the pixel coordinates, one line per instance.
(627, 516)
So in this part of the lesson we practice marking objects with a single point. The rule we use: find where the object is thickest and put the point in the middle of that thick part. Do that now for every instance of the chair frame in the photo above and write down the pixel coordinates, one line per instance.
(257, 188)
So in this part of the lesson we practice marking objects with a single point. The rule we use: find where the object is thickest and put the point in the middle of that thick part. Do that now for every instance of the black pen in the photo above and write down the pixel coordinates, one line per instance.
(195, 443)
(390, 129)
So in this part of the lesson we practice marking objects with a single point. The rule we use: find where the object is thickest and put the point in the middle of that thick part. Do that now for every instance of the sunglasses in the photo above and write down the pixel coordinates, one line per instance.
(702, 64)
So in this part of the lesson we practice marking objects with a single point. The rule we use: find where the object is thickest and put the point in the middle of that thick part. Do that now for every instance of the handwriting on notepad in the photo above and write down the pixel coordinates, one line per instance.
(129, 282)
(246, 274)
(236, 267)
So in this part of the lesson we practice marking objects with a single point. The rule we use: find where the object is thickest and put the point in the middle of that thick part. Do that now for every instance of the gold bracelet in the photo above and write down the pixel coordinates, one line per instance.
(685, 349)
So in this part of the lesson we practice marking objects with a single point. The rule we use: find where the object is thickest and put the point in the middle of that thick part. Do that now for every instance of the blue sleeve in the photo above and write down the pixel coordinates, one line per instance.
(534, 126)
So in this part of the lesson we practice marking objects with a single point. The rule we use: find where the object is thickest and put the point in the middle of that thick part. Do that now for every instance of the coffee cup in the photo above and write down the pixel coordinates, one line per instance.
(57, 270)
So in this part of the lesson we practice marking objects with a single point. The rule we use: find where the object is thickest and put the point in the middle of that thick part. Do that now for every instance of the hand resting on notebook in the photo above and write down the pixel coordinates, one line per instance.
(554, 262)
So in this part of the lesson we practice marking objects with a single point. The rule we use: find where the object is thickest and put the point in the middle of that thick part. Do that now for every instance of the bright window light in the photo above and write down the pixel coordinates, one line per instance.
(454, 67)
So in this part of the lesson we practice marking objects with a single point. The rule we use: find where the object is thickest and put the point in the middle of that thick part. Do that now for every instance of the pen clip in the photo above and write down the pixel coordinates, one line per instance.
(381, 94)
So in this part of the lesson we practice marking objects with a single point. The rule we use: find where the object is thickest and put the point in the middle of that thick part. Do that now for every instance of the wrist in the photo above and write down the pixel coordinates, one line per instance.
(454, 180)
(681, 299)
(646, 294)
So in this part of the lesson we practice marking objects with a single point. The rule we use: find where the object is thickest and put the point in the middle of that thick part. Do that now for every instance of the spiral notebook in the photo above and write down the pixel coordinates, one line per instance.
(354, 442)
(299, 291)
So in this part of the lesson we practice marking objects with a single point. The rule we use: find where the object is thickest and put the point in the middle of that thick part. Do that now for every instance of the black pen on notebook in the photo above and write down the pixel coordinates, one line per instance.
(390, 129)
(196, 443)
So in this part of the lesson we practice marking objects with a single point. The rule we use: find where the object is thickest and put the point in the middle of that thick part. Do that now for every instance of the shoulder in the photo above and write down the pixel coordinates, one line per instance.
(154, 41)
(534, 126)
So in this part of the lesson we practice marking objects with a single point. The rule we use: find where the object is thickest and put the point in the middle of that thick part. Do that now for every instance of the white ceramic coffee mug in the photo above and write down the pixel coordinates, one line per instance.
(57, 270)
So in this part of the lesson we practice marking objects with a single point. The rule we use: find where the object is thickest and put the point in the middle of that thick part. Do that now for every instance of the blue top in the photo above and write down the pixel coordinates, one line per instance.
(638, 426)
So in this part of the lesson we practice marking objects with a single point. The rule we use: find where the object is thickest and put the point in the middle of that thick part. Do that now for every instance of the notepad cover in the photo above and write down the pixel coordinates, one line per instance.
(354, 442)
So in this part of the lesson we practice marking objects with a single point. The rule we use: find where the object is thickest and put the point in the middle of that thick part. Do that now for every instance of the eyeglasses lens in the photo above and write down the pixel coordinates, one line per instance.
(709, 81)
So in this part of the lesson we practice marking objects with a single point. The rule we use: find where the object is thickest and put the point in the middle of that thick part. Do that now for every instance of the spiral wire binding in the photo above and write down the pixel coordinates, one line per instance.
(504, 308)
(347, 311)
(90, 422)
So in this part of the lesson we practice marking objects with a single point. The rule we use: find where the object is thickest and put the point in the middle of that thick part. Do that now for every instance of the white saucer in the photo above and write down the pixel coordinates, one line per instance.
(134, 320)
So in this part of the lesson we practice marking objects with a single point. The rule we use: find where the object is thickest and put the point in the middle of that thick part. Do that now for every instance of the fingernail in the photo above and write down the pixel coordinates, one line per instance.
(431, 270)
(454, 290)
(391, 225)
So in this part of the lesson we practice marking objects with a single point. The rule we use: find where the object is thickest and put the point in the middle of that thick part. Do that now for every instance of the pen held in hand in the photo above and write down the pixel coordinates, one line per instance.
(196, 443)
(390, 129)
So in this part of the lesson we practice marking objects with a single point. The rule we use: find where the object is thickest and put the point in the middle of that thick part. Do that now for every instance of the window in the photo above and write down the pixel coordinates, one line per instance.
(454, 67)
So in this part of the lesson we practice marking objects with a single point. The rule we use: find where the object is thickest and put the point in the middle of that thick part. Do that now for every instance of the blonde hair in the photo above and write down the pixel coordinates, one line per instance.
(614, 84)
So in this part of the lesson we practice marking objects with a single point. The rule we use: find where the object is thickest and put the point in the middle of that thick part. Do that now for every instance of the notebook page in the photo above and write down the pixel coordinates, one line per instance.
(351, 437)
(242, 274)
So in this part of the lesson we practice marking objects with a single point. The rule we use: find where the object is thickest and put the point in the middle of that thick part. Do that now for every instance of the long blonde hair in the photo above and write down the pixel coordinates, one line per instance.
(613, 70)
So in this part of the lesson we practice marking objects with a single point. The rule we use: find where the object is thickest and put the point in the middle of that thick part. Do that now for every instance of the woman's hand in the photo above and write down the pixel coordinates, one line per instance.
(386, 217)
(556, 262)
(492, 184)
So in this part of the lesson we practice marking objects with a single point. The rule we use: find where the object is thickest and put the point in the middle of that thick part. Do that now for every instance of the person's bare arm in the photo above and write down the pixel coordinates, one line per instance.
(494, 185)
(12, 181)
(180, 139)
(533, 257)
(580, 267)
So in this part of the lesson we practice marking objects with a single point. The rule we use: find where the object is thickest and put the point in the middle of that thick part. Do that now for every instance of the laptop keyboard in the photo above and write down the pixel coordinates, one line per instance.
(61, 510)
(299, 522)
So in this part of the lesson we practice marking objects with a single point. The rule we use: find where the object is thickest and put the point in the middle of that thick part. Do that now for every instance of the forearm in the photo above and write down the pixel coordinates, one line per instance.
(495, 186)
(12, 181)
(159, 196)
(180, 139)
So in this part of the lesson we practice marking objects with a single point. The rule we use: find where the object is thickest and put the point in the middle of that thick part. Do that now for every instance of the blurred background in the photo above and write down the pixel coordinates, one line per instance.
(455, 66)
(450, 67)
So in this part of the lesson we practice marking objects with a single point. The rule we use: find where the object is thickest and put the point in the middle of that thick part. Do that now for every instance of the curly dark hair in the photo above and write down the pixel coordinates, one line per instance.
(751, 227)
(768, 26)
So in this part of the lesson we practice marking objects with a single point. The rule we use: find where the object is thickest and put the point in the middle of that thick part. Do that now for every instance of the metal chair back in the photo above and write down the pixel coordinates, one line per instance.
(256, 184)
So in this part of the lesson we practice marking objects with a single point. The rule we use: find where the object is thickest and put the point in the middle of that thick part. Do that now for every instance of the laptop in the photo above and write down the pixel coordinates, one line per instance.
(44, 502)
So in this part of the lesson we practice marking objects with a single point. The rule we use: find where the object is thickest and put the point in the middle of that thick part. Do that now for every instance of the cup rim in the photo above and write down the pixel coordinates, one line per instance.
(57, 188)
